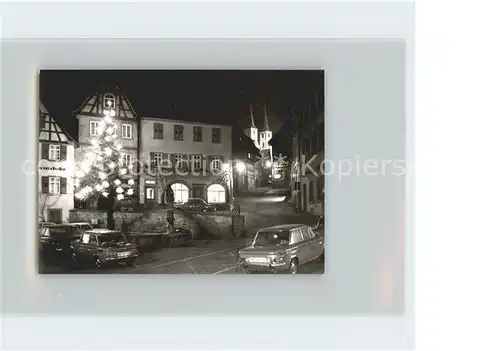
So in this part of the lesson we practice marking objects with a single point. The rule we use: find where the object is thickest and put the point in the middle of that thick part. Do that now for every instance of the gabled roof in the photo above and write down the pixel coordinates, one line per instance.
(49, 130)
(95, 104)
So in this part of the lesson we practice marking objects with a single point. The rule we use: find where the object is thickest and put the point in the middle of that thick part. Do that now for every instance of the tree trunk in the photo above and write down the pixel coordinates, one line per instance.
(110, 211)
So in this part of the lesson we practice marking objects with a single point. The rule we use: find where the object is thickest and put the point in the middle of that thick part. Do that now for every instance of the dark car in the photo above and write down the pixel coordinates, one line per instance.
(196, 205)
(281, 248)
(103, 246)
(55, 240)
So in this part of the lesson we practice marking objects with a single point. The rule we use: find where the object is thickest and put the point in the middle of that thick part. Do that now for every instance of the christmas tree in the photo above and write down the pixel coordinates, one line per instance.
(107, 175)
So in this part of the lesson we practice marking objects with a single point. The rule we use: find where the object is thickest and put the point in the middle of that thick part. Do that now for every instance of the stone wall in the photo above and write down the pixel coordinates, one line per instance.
(152, 221)
(222, 226)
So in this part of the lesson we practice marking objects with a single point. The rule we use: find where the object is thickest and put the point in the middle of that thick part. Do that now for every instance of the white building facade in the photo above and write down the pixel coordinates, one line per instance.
(194, 159)
(56, 168)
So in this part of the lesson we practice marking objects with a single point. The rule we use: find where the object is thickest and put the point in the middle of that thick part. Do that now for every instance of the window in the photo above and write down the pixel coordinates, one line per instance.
(109, 101)
(126, 131)
(197, 161)
(216, 135)
(156, 159)
(54, 152)
(54, 185)
(273, 238)
(158, 131)
(306, 234)
(94, 127)
(85, 238)
(296, 236)
(150, 193)
(197, 134)
(127, 159)
(181, 192)
(178, 132)
(178, 161)
(216, 194)
(216, 163)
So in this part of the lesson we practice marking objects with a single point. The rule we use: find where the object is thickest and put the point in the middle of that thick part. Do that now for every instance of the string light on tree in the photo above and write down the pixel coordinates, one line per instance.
(106, 174)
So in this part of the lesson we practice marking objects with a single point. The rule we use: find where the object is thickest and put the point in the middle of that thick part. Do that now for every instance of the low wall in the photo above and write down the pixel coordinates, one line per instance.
(152, 221)
(221, 226)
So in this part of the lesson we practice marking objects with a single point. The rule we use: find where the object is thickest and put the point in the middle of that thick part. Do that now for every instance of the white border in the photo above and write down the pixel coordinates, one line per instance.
(380, 21)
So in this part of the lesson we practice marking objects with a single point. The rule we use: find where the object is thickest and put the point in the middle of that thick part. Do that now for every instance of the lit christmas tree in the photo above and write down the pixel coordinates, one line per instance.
(107, 175)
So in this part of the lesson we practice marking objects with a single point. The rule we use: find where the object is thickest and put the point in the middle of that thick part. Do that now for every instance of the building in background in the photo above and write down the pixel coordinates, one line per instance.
(261, 140)
(246, 174)
(308, 147)
(56, 168)
(182, 155)
(91, 112)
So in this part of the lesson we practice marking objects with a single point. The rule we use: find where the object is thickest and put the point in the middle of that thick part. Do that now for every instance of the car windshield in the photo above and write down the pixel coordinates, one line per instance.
(272, 238)
(111, 238)
(53, 231)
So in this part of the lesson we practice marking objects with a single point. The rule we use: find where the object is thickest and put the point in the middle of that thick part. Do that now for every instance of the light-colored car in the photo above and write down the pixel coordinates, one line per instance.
(103, 246)
(282, 248)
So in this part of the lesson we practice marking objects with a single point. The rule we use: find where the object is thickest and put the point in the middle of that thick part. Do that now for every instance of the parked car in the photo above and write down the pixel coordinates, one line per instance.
(196, 205)
(281, 248)
(103, 246)
(319, 228)
(55, 240)
(82, 226)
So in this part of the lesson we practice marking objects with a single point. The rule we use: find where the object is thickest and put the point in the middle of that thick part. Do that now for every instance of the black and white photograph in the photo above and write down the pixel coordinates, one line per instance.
(181, 171)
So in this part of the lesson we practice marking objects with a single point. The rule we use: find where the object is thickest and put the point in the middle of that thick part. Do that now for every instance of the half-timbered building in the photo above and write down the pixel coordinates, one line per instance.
(55, 169)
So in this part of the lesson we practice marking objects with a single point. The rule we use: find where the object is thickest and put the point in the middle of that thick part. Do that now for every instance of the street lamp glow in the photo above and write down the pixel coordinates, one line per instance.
(240, 167)
(268, 164)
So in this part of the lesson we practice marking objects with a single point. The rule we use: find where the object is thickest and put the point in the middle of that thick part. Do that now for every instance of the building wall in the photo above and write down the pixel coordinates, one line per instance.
(63, 169)
(308, 140)
(84, 137)
(197, 184)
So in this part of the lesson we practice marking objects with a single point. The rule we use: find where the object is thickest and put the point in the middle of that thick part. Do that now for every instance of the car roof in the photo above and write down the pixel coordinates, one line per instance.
(284, 227)
(195, 198)
(102, 231)
(78, 223)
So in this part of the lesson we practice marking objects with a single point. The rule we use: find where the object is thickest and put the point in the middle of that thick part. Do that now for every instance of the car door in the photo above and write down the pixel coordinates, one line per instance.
(82, 247)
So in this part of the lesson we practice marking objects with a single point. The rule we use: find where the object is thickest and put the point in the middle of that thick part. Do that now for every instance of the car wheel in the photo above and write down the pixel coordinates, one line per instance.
(98, 262)
(294, 266)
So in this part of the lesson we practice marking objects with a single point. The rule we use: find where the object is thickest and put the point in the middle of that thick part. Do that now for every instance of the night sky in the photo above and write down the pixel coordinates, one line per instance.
(219, 97)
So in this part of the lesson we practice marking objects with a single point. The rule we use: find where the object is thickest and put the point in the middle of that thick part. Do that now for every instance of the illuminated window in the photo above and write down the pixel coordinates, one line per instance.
(181, 192)
(54, 152)
(109, 101)
(216, 194)
(150, 193)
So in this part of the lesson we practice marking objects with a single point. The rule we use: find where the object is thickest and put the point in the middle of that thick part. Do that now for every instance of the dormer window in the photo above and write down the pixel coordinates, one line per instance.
(109, 101)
